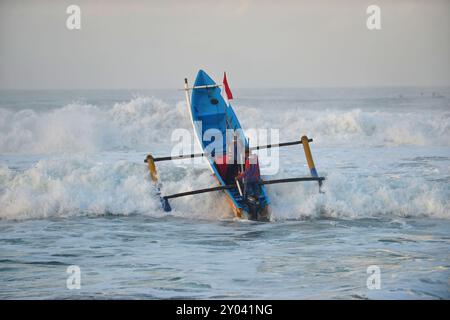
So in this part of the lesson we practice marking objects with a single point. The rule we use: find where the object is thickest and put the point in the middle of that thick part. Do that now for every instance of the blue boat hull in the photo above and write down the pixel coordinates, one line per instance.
(210, 112)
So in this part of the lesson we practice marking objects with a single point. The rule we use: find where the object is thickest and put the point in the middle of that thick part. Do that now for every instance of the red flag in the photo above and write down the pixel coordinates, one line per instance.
(226, 87)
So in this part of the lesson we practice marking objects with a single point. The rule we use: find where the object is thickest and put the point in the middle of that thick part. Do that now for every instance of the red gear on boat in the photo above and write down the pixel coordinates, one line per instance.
(222, 165)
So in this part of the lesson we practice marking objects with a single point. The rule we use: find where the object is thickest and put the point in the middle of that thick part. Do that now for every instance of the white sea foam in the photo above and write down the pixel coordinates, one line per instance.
(87, 128)
(81, 185)
(143, 121)
(356, 127)
(360, 197)
(74, 186)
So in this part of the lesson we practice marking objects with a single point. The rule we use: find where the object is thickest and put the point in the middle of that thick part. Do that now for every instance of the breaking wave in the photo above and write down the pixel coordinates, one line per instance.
(132, 125)
(361, 197)
(84, 186)
(144, 121)
(357, 127)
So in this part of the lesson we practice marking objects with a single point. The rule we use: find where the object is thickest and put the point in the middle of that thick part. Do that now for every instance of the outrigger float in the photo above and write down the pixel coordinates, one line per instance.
(210, 110)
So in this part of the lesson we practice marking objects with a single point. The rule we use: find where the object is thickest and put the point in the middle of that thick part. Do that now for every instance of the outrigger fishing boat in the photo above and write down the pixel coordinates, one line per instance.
(231, 159)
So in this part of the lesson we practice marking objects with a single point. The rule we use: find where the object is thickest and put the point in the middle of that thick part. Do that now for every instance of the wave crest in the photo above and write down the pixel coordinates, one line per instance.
(143, 121)
(82, 185)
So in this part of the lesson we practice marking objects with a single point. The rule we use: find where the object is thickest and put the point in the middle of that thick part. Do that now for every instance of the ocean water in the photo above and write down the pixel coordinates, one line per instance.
(74, 191)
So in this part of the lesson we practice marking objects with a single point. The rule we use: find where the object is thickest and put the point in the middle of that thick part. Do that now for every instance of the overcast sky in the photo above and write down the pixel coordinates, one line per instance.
(155, 44)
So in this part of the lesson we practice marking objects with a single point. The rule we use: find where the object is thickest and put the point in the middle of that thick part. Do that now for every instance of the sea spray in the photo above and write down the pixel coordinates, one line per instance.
(138, 124)
(79, 185)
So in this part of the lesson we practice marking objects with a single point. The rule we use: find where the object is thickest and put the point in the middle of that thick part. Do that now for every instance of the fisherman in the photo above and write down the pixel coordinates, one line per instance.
(250, 176)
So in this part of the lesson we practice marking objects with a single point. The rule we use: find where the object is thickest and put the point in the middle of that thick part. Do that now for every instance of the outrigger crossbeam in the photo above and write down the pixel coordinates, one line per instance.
(230, 186)
(208, 86)
(199, 155)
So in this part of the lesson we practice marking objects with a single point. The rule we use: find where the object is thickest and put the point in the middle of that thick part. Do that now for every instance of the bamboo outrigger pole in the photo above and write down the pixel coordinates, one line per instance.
(230, 186)
(154, 176)
(309, 160)
(198, 155)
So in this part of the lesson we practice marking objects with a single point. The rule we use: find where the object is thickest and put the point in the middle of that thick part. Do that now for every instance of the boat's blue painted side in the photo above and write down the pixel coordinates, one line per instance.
(210, 111)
